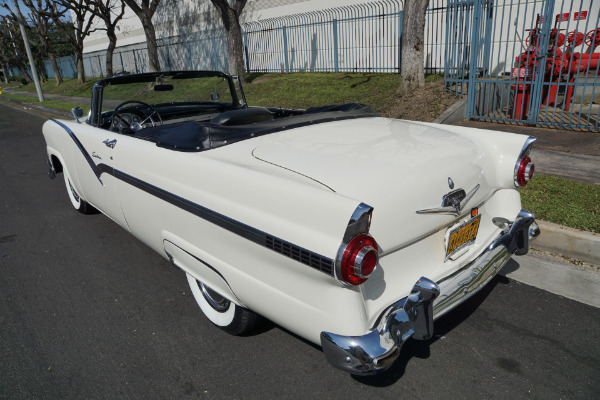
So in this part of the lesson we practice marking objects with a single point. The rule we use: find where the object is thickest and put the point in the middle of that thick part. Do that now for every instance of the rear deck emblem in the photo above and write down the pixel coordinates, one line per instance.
(452, 202)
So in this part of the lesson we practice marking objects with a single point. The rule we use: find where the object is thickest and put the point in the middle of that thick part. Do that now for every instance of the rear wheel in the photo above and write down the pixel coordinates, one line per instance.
(221, 312)
(78, 203)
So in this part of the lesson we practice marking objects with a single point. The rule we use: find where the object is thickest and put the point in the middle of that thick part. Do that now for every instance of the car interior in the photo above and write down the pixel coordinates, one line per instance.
(199, 110)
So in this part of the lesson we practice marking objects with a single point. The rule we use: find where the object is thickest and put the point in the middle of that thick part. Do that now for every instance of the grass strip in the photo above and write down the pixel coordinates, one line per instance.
(304, 89)
(54, 104)
(563, 202)
(69, 87)
(297, 90)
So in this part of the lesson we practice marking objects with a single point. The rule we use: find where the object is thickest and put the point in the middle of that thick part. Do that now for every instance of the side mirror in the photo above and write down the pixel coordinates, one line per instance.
(77, 113)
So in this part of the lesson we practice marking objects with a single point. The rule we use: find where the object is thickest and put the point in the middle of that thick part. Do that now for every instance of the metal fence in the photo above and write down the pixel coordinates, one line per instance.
(360, 38)
(525, 61)
(531, 62)
(356, 38)
(66, 66)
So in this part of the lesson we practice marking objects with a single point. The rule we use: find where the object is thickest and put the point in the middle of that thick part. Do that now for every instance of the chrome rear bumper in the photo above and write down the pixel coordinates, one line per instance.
(413, 316)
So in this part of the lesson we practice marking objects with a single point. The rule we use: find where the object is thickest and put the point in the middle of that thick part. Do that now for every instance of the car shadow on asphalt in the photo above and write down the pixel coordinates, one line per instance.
(421, 348)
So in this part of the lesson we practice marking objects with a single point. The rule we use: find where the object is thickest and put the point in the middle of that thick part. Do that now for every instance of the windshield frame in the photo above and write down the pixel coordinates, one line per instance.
(95, 117)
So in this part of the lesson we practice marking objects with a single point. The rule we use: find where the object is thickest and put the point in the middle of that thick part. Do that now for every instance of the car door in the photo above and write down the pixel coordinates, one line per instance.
(95, 170)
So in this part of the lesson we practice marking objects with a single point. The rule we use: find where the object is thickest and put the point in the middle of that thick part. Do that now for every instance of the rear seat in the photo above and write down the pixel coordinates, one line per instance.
(244, 116)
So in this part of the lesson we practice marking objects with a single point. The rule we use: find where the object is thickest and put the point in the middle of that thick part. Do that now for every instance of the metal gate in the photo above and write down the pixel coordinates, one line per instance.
(526, 61)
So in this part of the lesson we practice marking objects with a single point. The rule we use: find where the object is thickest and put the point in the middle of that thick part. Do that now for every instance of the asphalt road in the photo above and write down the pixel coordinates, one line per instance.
(89, 312)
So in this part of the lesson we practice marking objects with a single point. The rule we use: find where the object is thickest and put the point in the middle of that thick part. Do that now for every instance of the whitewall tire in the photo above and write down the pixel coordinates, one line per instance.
(221, 312)
(78, 203)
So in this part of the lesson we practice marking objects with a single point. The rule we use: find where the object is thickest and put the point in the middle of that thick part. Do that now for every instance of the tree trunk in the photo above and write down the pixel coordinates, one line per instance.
(41, 68)
(235, 46)
(153, 61)
(112, 43)
(5, 73)
(57, 74)
(23, 69)
(413, 38)
(230, 15)
(80, 67)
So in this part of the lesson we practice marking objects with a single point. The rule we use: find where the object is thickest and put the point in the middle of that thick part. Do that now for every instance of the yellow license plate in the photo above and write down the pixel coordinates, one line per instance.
(463, 235)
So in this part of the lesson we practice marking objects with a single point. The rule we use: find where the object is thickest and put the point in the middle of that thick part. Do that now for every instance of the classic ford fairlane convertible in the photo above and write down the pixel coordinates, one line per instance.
(354, 231)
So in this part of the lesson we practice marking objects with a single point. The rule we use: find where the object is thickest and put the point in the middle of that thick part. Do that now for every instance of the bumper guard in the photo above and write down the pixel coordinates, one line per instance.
(413, 316)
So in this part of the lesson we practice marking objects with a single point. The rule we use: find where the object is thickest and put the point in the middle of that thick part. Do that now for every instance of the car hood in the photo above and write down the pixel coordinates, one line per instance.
(395, 166)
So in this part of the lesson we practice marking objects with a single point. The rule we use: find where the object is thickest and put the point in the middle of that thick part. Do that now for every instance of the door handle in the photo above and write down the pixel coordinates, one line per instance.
(110, 143)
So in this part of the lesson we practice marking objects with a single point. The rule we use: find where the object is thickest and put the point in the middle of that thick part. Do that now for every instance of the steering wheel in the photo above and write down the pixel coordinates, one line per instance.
(131, 120)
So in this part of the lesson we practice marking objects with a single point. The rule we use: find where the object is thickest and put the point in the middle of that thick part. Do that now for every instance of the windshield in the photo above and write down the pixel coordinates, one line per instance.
(170, 90)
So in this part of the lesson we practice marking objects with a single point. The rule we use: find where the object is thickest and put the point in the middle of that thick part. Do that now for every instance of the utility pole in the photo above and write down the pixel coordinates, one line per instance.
(36, 79)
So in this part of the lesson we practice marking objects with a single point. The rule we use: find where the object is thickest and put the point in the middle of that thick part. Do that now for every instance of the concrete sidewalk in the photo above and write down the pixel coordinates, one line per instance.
(568, 154)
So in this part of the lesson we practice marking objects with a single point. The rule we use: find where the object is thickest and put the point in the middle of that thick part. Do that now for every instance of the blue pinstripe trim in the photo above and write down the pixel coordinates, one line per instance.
(283, 247)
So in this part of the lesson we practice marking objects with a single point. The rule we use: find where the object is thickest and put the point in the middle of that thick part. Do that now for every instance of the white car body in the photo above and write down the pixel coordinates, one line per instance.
(261, 221)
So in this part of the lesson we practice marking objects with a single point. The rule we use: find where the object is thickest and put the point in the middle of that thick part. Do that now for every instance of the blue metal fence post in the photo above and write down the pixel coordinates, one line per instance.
(471, 90)
(189, 50)
(400, 30)
(168, 57)
(285, 50)
(135, 62)
(335, 45)
(535, 100)
(215, 59)
(245, 37)
(488, 33)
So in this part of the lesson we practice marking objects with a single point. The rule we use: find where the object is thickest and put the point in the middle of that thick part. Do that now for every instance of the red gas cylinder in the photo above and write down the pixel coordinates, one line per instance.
(522, 93)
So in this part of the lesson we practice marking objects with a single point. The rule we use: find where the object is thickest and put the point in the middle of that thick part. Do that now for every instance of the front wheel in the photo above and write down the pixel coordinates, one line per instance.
(221, 312)
(78, 203)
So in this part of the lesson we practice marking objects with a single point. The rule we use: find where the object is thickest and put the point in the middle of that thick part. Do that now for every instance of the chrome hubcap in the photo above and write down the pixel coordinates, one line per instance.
(215, 300)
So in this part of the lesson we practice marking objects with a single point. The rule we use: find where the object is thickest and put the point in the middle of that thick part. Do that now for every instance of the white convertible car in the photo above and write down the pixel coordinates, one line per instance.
(354, 231)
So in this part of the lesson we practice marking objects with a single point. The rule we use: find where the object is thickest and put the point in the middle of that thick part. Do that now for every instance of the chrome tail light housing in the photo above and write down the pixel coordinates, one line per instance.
(359, 253)
(524, 167)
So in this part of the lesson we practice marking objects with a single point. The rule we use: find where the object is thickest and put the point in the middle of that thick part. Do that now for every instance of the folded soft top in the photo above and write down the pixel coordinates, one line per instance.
(236, 125)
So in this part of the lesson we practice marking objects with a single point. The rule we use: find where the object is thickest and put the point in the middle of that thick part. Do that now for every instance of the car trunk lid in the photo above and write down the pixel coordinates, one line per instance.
(397, 167)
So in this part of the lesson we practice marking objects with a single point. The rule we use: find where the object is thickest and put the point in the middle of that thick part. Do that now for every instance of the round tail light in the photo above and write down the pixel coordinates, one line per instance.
(359, 259)
(525, 171)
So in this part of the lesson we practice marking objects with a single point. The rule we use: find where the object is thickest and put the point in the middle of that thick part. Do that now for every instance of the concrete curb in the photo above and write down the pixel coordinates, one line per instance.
(568, 242)
(455, 113)
(555, 239)
(51, 111)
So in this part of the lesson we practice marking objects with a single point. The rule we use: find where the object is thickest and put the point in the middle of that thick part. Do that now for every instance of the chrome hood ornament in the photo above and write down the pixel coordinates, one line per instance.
(452, 203)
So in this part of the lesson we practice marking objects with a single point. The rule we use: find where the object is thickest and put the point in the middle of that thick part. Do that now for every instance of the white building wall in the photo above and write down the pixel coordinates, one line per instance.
(188, 16)
(371, 45)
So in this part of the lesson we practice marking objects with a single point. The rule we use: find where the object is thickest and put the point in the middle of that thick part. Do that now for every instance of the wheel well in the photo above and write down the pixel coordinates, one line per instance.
(58, 168)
